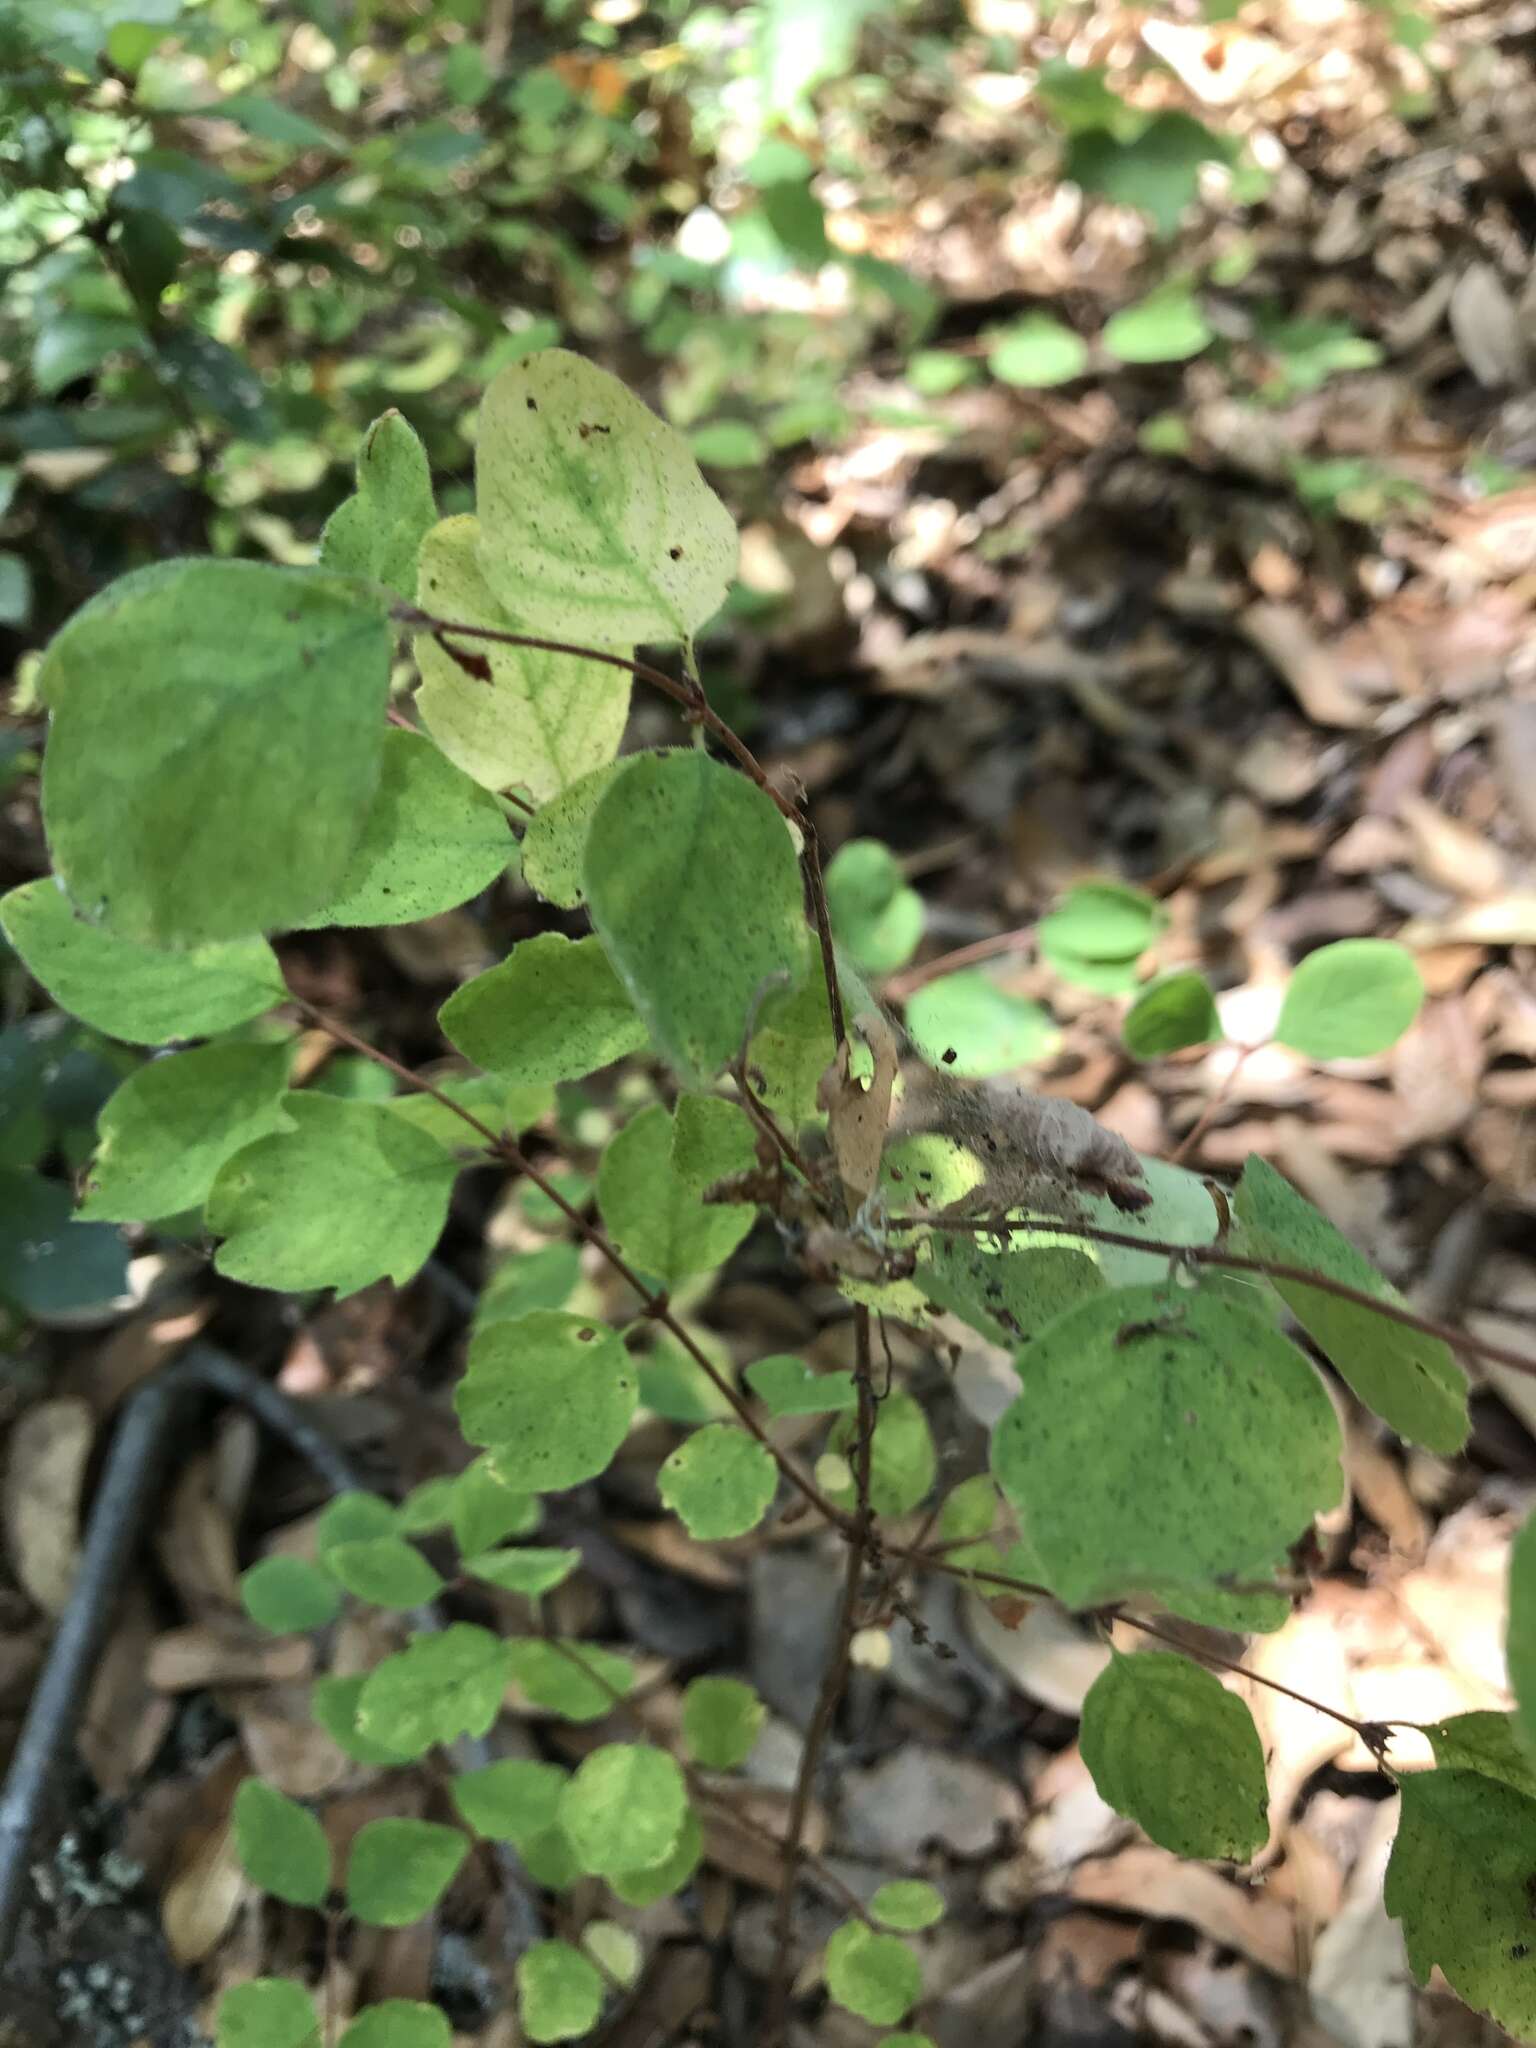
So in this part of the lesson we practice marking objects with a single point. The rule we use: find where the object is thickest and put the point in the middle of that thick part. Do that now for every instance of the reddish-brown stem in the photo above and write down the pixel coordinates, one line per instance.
(511, 1153)
(1232, 1262)
(900, 986)
(1214, 1107)
(811, 857)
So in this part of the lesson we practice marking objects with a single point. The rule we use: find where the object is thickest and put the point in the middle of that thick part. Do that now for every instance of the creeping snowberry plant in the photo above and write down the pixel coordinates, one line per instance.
(228, 759)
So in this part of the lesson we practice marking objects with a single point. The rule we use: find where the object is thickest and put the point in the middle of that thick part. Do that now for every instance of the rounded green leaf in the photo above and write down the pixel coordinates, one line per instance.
(1036, 352)
(554, 1010)
(617, 1952)
(1349, 1000)
(545, 1278)
(530, 1572)
(624, 1808)
(722, 1719)
(431, 840)
(269, 2012)
(578, 1681)
(555, 843)
(132, 991)
(969, 1511)
(595, 521)
(352, 1517)
(1101, 921)
(1142, 1451)
(378, 531)
(1487, 1743)
(171, 1126)
(559, 1993)
(1179, 1211)
(439, 1687)
(1520, 1640)
(334, 1703)
(1171, 1013)
(238, 785)
(874, 913)
(289, 1595)
(645, 1887)
(484, 1510)
(550, 1395)
(787, 1386)
(510, 1801)
(1410, 1380)
(967, 1025)
(653, 1179)
(427, 1507)
(1173, 1750)
(349, 1195)
(907, 1904)
(694, 890)
(902, 1461)
(1166, 327)
(515, 717)
(399, 2023)
(386, 1571)
(399, 1869)
(281, 1846)
(874, 1975)
(720, 1481)
(1007, 1295)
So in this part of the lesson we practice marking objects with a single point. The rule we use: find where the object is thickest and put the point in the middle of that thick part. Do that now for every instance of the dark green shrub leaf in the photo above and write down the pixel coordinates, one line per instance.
(427, 1507)
(653, 1178)
(334, 1703)
(969, 1027)
(554, 1010)
(132, 991)
(171, 1126)
(787, 1386)
(529, 1572)
(1118, 1498)
(902, 1461)
(720, 1481)
(623, 1810)
(399, 1869)
(1007, 1295)
(694, 889)
(484, 1509)
(645, 1887)
(1460, 1882)
(1036, 352)
(398, 2023)
(269, 2012)
(281, 1846)
(50, 1265)
(1172, 1012)
(543, 720)
(969, 1511)
(874, 1975)
(578, 1681)
(545, 1278)
(1520, 1639)
(431, 840)
(1487, 1743)
(289, 1595)
(596, 524)
(1411, 1381)
(792, 1046)
(874, 913)
(378, 531)
(1173, 1750)
(722, 1719)
(908, 1905)
(500, 1105)
(349, 1195)
(386, 1571)
(510, 1801)
(440, 1687)
(550, 1395)
(1349, 1000)
(559, 1993)
(238, 787)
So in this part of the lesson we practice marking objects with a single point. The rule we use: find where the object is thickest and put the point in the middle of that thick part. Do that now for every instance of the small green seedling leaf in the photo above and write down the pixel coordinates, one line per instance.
(349, 1195)
(623, 1810)
(289, 1596)
(399, 1869)
(1153, 165)
(530, 1572)
(617, 1952)
(720, 1481)
(511, 1801)
(510, 717)
(239, 786)
(269, 2012)
(908, 1905)
(967, 1026)
(902, 1459)
(595, 521)
(550, 1395)
(1036, 352)
(1187, 1489)
(1166, 327)
(559, 1993)
(386, 1571)
(694, 890)
(722, 1719)
(554, 1010)
(399, 2023)
(377, 532)
(431, 840)
(1350, 1000)
(1175, 1011)
(653, 1179)
(1170, 1748)
(439, 1687)
(1098, 932)
(171, 1126)
(578, 1681)
(281, 1846)
(645, 1887)
(1410, 1380)
(874, 913)
(874, 1975)
(787, 1386)
(132, 991)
